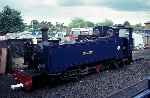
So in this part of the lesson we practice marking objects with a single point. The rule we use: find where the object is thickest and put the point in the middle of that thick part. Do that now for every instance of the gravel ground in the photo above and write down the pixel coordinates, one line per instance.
(98, 85)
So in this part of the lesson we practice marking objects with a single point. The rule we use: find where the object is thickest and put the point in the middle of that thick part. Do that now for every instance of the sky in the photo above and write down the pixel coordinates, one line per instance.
(63, 11)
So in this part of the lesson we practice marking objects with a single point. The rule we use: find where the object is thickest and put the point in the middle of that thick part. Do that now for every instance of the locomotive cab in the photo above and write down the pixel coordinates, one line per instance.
(124, 43)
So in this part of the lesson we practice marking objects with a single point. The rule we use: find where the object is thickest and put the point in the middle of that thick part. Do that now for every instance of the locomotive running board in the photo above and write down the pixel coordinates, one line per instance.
(28, 80)
(138, 90)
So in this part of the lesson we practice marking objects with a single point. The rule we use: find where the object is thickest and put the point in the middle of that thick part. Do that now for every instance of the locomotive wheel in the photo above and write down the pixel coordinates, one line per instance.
(116, 65)
(112, 64)
(122, 64)
(128, 62)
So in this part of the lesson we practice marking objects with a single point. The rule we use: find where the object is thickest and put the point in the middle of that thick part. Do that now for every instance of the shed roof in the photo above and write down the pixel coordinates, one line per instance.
(148, 22)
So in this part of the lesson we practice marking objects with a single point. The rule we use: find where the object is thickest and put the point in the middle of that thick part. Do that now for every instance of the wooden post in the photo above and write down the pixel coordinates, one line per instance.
(3, 54)
(3, 57)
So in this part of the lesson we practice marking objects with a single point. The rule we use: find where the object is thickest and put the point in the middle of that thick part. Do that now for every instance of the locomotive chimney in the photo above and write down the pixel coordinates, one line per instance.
(44, 29)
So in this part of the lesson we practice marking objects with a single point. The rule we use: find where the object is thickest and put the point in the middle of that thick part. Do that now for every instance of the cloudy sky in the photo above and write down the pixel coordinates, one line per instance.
(135, 11)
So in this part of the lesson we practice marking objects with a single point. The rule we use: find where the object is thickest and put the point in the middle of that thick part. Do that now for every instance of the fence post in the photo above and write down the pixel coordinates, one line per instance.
(3, 53)
(3, 57)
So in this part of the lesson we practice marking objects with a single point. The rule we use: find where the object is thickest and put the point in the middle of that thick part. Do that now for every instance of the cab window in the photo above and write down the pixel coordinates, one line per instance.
(106, 33)
(124, 33)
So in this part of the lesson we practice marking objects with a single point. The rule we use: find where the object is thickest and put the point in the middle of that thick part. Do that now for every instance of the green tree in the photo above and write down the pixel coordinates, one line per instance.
(49, 24)
(11, 21)
(34, 25)
(80, 23)
(138, 26)
(105, 23)
(77, 23)
(89, 24)
(59, 27)
(126, 24)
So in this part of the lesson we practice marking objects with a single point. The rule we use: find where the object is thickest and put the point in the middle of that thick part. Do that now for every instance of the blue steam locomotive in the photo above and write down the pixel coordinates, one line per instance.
(107, 47)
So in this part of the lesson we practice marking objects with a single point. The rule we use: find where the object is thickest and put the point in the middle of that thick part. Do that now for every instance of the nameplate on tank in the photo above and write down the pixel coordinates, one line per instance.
(88, 52)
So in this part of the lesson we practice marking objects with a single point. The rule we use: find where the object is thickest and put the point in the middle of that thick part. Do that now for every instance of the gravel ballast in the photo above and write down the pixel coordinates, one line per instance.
(98, 85)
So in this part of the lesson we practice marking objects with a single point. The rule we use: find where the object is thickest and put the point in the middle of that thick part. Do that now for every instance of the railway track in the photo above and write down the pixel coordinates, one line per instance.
(131, 91)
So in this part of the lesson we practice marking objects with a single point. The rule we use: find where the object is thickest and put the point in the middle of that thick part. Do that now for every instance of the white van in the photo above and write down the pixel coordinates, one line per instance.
(138, 41)
(82, 31)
